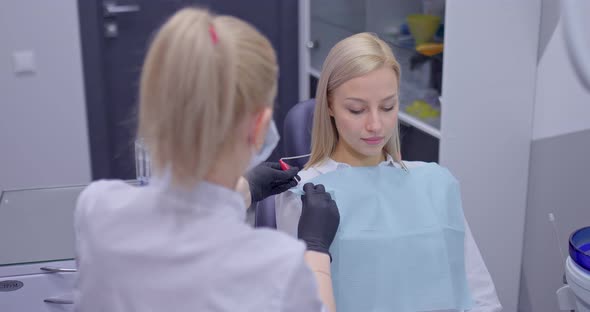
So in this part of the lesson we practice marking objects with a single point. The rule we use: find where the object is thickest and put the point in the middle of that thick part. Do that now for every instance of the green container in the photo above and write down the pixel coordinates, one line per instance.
(423, 27)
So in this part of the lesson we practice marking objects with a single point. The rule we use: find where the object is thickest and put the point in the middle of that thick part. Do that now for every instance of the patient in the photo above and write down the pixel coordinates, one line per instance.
(403, 243)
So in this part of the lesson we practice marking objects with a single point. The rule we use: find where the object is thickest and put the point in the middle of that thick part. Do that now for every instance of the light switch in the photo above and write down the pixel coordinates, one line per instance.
(24, 62)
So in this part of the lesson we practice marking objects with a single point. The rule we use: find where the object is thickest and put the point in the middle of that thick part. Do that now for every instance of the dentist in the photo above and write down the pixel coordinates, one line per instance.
(181, 244)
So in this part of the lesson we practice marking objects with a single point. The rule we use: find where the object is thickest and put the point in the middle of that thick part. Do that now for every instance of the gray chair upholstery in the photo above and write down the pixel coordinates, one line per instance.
(296, 141)
(264, 215)
(297, 132)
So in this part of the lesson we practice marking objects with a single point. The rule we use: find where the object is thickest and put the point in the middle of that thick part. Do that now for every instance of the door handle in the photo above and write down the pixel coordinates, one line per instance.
(58, 301)
(111, 8)
(313, 44)
(58, 270)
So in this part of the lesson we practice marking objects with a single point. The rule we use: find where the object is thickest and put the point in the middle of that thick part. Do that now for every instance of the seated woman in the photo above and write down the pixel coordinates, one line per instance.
(403, 243)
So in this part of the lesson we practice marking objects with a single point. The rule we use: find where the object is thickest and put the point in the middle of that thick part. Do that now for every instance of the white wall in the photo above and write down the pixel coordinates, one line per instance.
(559, 170)
(563, 104)
(489, 81)
(43, 132)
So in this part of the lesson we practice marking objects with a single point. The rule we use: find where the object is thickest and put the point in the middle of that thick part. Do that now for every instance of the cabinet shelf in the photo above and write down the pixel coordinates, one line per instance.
(419, 124)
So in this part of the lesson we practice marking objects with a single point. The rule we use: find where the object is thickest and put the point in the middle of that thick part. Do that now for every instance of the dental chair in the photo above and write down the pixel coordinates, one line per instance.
(296, 141)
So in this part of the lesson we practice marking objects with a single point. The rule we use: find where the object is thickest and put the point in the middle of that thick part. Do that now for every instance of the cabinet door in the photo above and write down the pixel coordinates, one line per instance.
(37, 224)
(346, 14)
(417, 145)
(325, 36)
(47, 292)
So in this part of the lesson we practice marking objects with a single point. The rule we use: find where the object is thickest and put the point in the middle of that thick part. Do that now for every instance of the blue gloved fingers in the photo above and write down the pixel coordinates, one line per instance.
(269, 179)
(263, 180)
(284, 178)
(280, 177)
(285, 186)
(293, 171)
(273, 165)
(320, 188)
(293, 183)
(308, 188)
(319, 218)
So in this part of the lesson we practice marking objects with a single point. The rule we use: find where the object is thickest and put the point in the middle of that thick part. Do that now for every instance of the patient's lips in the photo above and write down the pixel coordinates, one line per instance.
(373, 140)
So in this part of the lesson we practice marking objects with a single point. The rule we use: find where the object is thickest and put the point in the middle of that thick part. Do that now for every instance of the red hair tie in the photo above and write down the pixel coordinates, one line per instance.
(213, 34)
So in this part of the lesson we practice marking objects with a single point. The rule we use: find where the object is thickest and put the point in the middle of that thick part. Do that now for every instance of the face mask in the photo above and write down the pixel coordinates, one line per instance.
(270, 143)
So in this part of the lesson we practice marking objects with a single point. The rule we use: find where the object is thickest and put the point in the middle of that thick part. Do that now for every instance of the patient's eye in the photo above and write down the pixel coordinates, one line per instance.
(355, 111)
(389, 104)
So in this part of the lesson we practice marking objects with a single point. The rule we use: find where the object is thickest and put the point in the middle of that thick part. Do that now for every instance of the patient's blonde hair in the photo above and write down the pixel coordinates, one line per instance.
(202, 74)
(352, 57)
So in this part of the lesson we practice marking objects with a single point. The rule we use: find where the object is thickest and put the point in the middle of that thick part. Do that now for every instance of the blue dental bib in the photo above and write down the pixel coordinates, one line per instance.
(400, 243)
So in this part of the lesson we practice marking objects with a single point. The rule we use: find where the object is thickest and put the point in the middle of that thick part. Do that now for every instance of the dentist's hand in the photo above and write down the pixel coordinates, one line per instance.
(269, 179)
(319, 219)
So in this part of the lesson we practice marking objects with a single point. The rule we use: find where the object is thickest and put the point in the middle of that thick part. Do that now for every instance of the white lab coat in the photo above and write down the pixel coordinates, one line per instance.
(155, 248)
(288, 210)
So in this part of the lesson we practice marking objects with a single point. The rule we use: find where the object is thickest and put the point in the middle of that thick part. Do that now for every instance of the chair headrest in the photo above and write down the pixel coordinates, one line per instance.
(297, 132)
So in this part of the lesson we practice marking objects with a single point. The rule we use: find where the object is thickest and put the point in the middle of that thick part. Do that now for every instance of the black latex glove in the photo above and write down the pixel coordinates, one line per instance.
(319, 219)
(269, 179)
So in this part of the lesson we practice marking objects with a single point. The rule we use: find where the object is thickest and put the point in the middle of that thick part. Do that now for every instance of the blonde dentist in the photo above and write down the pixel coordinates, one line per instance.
(181, 243)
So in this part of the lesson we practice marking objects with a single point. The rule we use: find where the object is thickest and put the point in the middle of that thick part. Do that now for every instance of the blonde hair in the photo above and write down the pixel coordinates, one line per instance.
(202, 74)
(352, 57)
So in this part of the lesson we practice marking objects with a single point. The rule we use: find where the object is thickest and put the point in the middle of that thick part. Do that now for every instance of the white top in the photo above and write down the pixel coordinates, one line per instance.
(153, 248)
(288, 210)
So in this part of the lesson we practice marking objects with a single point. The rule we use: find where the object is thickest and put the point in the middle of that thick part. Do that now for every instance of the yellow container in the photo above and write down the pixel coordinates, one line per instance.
(430, 49)
(423, 27)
